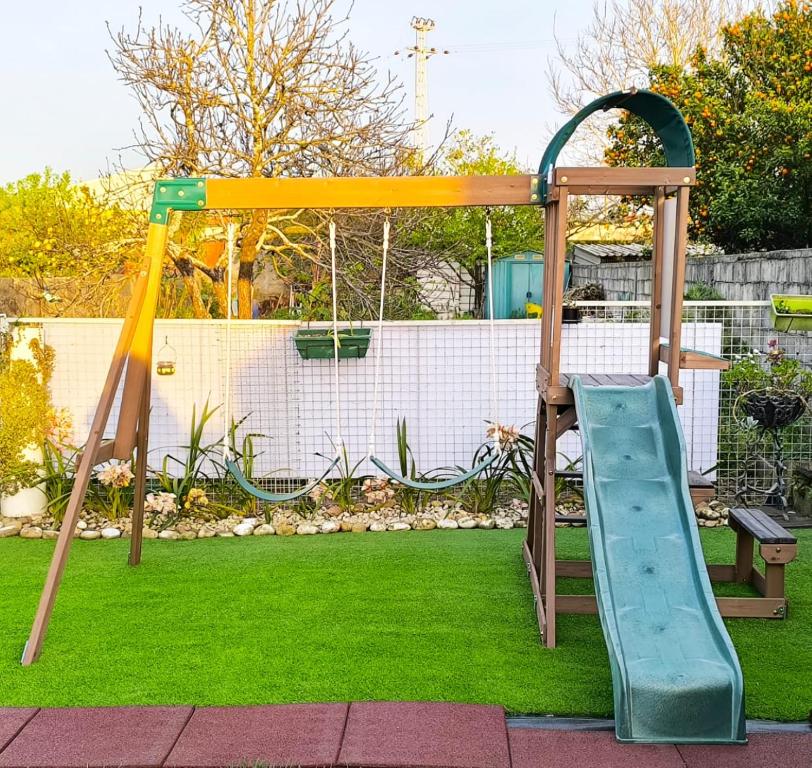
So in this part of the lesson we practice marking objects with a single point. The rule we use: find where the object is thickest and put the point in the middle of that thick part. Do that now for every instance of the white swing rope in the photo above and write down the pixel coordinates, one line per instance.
(333, 276)
(379, 343)
(492, 325)
(231, 237)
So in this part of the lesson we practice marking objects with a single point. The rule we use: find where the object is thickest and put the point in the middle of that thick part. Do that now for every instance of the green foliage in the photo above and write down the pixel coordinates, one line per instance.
(50, 227)
(750, 114)
(410, 500)
(801, 490)
(520, 468)
(25, 414)
(774, 372)
(248, 502)
(481, 494)
(702, 292)
(342, 491)
(59, 471)
(460, 232)
(179, 476)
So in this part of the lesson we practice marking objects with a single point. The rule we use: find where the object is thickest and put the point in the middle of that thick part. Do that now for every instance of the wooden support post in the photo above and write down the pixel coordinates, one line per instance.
(678, 283)
(139, 363)
(744, 556)
(133, 425)
(550, 220)
(556, 268)
(156, 240)
(533, 517)
(548, 567)
(656, 283)
(774, 580)
(540, 470)
(139, 494)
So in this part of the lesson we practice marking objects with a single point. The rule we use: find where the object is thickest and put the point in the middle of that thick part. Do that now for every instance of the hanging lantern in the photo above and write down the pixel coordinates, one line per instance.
(166, 359)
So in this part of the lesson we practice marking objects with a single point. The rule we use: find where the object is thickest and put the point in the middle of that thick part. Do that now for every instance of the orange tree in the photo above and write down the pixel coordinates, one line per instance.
(750, 113)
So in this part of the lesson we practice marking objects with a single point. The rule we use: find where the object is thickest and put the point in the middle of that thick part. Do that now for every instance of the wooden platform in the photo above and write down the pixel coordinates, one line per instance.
(561, 394)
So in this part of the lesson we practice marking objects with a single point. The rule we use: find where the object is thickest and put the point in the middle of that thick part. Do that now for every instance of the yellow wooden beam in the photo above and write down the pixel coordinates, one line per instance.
(372, 192)
(139, 359)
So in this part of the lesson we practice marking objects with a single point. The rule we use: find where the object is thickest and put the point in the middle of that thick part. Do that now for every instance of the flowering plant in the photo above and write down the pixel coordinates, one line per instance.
(196, 499)
(505, 437)
(117, 478)
(773, 372)
(60, 428)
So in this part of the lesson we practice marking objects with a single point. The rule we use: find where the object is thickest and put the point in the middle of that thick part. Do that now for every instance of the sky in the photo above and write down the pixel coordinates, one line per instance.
(63, 106)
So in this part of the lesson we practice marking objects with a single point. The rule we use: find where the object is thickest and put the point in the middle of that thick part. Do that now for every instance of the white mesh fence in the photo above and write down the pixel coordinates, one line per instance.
(435, 375)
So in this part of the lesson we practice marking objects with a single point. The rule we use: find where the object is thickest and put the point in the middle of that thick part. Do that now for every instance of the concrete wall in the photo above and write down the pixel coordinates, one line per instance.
(738, 277)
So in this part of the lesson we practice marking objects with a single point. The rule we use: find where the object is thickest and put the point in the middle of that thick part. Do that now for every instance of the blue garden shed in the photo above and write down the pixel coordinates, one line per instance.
(517, 280)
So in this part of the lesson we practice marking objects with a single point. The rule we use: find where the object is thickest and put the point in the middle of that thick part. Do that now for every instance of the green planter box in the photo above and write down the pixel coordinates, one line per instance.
(318, 344)
(791, 313)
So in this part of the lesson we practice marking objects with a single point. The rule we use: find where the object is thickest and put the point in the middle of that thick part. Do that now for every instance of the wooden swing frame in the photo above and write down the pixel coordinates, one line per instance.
(556, 412)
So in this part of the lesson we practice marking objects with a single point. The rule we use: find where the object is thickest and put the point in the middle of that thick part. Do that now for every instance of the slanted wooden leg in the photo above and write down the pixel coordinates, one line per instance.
(89, 457)
(136, 536)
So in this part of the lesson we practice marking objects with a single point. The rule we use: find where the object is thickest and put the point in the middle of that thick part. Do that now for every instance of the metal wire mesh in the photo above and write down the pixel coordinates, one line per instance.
(435, 375)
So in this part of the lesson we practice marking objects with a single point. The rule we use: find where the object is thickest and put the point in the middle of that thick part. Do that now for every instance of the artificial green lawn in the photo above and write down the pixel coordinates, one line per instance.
(441, 615)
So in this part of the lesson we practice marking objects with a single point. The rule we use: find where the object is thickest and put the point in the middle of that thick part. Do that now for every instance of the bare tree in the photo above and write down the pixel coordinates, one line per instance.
(261, 89)
(624, 40)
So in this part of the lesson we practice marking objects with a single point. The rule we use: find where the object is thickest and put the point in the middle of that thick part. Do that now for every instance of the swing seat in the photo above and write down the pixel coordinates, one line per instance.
(435, 485)
(274, 498)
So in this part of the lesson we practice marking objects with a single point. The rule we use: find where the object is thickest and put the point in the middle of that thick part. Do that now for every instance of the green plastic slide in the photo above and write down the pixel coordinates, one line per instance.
(675, 672)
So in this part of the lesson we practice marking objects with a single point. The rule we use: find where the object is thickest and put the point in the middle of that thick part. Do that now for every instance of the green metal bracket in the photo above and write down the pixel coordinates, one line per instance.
(535, 191)
(176, 195)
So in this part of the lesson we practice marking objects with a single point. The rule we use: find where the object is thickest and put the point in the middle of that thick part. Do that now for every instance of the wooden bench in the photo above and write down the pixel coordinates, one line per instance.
(777, 547)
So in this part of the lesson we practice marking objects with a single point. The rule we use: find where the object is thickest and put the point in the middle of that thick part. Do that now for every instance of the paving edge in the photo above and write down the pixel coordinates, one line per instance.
(554, 723)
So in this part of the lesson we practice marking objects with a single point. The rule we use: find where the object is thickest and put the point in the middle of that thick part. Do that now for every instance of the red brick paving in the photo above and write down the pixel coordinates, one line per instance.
(113, 737)
(543, 748)
(425, 735)
(12, 720)
(362, 735)
(293, 734)
(764, 750)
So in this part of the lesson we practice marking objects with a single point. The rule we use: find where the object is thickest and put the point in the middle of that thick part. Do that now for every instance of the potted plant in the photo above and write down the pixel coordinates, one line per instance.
(791, 313)
(317, 343)
(25, 416)
(773, 389)
(570, 312)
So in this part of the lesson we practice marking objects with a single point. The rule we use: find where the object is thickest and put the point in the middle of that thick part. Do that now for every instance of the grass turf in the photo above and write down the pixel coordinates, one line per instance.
(445, 615)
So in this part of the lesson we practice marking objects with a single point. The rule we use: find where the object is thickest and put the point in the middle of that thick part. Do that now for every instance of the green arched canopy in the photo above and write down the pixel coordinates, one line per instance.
(664, 118)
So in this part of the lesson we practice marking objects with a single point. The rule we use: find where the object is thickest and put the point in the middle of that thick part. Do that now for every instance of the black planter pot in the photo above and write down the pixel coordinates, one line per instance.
(570, 315)
(773, 410)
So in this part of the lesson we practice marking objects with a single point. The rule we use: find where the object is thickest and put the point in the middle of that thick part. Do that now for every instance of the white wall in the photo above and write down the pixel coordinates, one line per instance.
(434, 374)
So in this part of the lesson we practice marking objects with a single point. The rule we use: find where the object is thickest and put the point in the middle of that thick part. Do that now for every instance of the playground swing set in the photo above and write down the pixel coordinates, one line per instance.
(675, 672)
